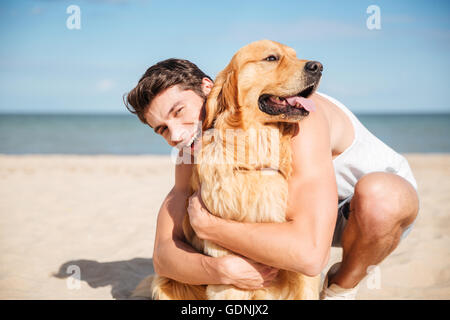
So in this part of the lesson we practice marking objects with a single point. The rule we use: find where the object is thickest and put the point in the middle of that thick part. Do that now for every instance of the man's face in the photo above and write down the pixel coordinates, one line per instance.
(175, 114)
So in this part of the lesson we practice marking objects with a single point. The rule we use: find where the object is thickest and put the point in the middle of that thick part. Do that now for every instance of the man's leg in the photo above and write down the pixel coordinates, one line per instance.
(383, 205)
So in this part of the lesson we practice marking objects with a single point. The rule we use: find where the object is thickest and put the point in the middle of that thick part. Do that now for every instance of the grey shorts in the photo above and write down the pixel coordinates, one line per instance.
(342, 218)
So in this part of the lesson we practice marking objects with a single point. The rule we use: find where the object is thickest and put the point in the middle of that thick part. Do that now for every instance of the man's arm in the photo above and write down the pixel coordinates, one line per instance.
(301, 244)
(176, 259)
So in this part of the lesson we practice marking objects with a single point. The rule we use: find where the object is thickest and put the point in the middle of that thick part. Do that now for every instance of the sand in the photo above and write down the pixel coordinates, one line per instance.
(95, 217)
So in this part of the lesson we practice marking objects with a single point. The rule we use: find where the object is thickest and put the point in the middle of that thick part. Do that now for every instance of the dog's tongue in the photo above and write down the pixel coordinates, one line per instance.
(296, 101)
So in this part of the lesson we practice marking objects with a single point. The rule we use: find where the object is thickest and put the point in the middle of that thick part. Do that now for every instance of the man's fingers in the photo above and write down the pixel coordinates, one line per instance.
(271, 275)
(268, 270)
(268, 282)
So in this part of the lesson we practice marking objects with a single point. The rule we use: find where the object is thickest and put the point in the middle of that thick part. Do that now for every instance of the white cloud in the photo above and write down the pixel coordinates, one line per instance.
(36, 11)
(306, 29)
(105, 85)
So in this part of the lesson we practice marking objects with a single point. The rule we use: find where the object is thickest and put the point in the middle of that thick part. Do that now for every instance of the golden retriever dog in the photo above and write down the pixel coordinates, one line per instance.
(244, 162)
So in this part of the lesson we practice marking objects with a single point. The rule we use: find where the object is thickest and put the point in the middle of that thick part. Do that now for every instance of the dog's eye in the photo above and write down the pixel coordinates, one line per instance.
(271, 58)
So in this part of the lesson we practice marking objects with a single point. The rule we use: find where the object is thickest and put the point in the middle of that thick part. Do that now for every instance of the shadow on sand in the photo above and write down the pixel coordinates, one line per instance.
(122, 276)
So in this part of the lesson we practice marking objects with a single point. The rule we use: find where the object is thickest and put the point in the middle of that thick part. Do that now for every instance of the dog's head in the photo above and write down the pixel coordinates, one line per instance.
(265, 82)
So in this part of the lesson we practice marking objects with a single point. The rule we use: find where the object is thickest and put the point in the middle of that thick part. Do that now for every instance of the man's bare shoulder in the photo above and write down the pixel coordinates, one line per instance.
(311, 146)
(339, 124)
(183, 173)
(313, 129)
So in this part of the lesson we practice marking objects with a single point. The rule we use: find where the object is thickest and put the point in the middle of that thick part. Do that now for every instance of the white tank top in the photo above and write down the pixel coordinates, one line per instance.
(366, 154)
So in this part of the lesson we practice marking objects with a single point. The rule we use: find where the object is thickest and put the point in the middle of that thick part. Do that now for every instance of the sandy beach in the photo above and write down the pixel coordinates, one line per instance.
(96, 216)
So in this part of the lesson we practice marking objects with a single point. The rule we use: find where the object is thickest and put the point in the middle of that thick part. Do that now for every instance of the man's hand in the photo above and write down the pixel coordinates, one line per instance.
(199, 217)
(245, 273)
(232, 269)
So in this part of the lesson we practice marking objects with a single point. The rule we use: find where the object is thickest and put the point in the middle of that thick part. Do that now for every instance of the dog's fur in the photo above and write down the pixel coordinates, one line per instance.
(250, 188)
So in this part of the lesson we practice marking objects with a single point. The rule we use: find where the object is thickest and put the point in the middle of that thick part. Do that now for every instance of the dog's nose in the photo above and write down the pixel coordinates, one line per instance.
(313, 67)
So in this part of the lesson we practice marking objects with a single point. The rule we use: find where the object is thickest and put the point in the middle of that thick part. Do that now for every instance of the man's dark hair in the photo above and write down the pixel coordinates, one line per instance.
(160, 77)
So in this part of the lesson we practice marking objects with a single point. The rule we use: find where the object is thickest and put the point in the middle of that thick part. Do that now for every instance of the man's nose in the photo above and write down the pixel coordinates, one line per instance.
(313, 67)
(178, 136)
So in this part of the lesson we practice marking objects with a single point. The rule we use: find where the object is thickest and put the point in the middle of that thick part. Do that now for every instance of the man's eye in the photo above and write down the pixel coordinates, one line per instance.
(271, 58)
(178, 111)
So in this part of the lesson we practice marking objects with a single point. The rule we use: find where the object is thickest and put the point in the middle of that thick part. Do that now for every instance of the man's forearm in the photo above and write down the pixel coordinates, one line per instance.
(179, 261)
(276, 244)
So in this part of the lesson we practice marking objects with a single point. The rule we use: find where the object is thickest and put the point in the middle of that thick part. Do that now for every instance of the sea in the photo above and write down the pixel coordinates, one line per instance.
(93, 134)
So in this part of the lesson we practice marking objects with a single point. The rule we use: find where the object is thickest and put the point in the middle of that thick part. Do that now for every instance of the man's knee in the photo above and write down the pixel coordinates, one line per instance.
(382, 202)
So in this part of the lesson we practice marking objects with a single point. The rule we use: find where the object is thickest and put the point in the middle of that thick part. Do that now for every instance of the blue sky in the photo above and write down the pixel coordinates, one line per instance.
(45, 67)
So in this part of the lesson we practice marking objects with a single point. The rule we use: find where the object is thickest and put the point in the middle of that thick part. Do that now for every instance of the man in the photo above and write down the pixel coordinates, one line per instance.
(334, 158)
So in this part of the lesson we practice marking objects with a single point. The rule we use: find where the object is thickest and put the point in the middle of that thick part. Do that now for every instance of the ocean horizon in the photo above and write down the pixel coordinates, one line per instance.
(124, 134)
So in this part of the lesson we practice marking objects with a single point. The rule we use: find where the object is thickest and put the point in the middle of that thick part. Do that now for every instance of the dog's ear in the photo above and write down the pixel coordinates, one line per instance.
(222, 98)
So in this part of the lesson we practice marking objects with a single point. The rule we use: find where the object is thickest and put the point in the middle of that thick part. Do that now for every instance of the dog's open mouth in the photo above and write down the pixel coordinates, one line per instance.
(296, 105)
